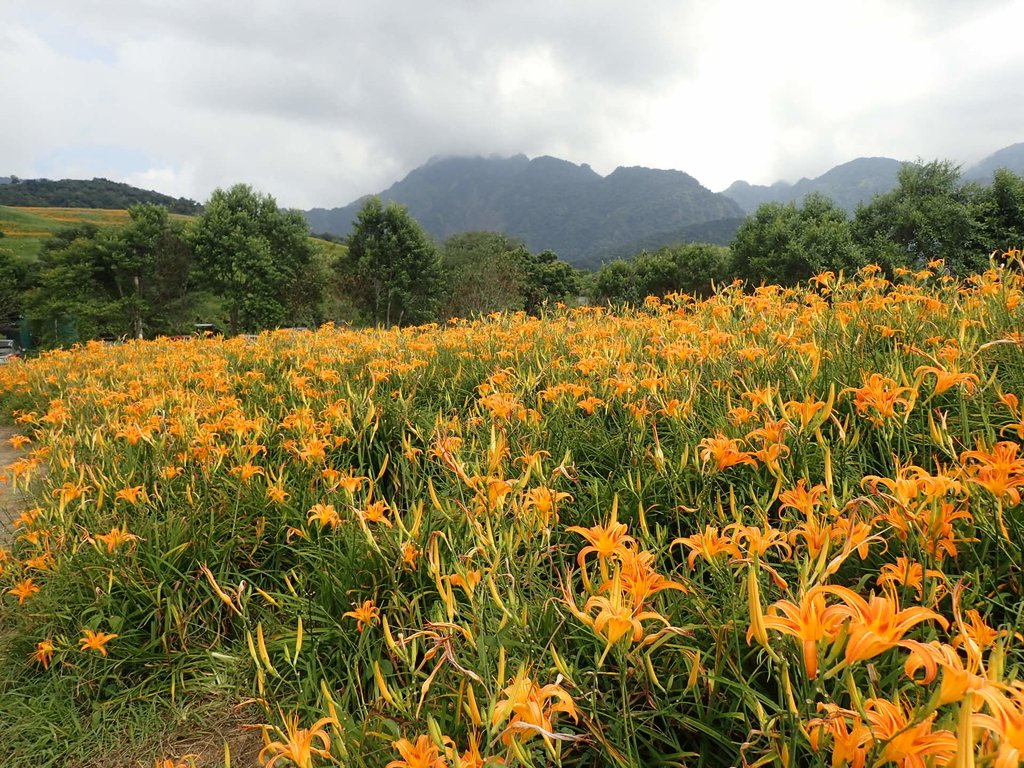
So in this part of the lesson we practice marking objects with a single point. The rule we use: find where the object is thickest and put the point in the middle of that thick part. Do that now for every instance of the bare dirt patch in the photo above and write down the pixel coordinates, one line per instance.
(11, 502)
(201, 746)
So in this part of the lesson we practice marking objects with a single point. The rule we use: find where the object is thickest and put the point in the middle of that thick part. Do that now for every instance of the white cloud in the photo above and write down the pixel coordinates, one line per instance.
(319, 103)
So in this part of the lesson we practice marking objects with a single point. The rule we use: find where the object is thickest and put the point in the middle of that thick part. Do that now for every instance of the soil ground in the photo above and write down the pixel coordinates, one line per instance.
(10, 501)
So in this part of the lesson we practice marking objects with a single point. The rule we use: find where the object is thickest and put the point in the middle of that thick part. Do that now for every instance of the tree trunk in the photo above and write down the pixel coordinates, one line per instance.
(137, 320)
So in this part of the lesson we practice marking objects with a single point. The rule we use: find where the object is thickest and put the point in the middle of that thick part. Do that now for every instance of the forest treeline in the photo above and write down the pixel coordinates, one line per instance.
(81, 193)
(929, 215)
(244, 264)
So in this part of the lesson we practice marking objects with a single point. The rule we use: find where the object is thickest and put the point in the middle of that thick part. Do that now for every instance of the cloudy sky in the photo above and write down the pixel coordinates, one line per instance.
(320, 101)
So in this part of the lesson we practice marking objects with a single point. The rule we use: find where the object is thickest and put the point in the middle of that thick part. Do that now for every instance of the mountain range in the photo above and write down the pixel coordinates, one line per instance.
(551, 204)
(587, 218)
(859, 180)
(848, 185)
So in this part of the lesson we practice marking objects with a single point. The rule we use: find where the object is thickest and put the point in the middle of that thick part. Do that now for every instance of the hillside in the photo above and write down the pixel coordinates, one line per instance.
(848, 185)
(547, 202)
(23, 230)
(81, 193)
(857, 181)
(1011, 157)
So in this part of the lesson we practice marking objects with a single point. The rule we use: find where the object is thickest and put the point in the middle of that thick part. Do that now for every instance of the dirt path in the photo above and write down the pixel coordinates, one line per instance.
(10, 502)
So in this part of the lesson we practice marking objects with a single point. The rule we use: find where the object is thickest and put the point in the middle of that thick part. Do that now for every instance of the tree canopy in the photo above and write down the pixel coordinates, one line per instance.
(392, 271)
(690, 268)
(131, 281)
(258, 258)
(484, 272)
(83, 193)
(783, 243)
(928, 216)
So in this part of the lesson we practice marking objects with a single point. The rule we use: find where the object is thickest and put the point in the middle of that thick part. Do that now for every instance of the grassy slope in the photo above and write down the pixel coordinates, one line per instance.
(25, 229)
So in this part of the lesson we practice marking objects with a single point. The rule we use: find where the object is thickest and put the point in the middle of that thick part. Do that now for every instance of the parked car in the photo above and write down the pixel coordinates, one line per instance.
(8, 351)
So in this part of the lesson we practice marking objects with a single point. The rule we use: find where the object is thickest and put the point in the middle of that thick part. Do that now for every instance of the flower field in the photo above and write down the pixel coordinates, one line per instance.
(779, 527)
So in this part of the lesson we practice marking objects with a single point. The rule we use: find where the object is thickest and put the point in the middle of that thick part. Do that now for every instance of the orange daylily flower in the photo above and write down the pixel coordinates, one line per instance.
(639, 578)
(423, 754)
(43, 653)
(724, 452)
(590, 404)
(468, 584)
(247, 471)
(132, 495)
(325, 515)
(350, 482)
(804, 411)
(367, 613)
(23, 590)
(958, 679)
(472, 757)
(763, 397)
(298, 745)
(95, 641)
(606, 541)
(945, 380)
(410, 553)
(756, 542)
(880, 398)
(618, 615)
(530, 709)
(375, 512)
(544, 502)
(1006, 720)
(850, 741)
(115, 538)
(803, 499)
(809, 621)
(876, 624)
(908, 573)
(907, 740)
(276, 494)
(999, 471)
(904, 738)
(708, 545)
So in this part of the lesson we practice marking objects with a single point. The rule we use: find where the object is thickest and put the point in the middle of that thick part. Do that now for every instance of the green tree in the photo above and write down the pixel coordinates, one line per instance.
(699, 266)
(929, 215)
(129, 281)
(15, 280)
(546, 279)
(484, 272)
(615, 283)
(257, 258)
(148, 272)
(392, 271)
(782, 243)
(69, 291)
(687, 268)
(999, 211)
